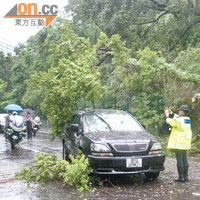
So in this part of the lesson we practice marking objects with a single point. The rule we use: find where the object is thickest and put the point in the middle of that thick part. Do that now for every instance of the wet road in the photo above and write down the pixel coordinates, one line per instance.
(120, 187)
(12, 161)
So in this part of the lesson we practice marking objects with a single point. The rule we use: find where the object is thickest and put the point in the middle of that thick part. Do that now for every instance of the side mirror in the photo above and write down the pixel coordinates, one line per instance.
(66, 127)
(74, 127)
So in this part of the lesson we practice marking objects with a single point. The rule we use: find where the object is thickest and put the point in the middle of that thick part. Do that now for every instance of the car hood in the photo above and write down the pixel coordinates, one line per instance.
(120, 136)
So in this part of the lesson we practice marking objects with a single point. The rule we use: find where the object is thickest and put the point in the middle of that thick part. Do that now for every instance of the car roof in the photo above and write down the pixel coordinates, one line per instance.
(2, 117)
(3, 114)
(87, 111)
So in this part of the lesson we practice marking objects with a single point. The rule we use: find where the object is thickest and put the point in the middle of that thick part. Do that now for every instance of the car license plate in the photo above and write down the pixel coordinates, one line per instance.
(14, 137)
(133, 162)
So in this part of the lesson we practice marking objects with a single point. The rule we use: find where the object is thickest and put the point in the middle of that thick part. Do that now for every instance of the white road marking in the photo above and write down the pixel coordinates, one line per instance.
(196, 194)
(33, 150)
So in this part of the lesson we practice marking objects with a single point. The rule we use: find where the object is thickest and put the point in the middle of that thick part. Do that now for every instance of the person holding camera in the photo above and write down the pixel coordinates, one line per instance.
(180, 139)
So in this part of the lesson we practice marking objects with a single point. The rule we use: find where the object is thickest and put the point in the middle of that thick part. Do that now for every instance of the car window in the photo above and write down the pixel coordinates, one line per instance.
(75, 120)
(111, 122)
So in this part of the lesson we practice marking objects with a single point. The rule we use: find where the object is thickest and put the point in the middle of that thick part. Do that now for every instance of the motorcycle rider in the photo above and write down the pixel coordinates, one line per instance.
(16, 129)
(15, 117)
(29, 122)
(180, 139)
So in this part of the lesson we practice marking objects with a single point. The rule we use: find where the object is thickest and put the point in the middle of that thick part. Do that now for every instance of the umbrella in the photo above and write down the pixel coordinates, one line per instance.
(13, 107)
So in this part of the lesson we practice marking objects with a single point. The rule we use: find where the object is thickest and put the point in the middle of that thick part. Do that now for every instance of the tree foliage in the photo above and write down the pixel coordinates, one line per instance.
(71, 78)
(164, 26)
(47, 167)
(142, 55)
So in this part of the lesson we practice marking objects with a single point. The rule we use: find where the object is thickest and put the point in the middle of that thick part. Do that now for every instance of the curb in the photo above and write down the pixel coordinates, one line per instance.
(43, 132)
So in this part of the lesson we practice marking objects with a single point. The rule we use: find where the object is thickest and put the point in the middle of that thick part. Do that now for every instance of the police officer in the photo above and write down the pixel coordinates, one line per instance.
(180, 139)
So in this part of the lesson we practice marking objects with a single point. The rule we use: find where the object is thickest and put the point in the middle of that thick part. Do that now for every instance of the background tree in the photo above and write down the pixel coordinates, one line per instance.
(143, 54)
(166, 25)
(71, 78)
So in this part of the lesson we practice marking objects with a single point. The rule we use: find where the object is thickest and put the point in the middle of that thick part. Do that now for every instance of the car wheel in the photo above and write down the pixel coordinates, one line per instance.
(65, 154)
(152, 176)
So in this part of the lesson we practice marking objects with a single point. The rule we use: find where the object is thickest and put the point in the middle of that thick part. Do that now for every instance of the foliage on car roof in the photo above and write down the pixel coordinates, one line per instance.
(81, 112)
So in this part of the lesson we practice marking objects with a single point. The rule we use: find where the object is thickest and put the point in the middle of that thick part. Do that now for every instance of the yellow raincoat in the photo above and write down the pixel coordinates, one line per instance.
(181, 134)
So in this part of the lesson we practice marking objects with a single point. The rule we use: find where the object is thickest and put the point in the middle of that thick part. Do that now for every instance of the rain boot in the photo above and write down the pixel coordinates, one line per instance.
(186, 173)
(180, 174)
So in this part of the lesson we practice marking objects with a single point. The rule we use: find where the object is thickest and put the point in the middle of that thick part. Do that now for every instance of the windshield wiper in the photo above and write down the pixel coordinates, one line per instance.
(104, 121)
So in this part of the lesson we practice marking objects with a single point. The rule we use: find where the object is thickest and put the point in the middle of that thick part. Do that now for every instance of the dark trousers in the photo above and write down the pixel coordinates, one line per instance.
(181, 157)
(29, 133)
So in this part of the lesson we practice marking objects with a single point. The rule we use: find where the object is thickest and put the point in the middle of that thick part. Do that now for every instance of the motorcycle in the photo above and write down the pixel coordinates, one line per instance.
(17, 131)
(36, 125)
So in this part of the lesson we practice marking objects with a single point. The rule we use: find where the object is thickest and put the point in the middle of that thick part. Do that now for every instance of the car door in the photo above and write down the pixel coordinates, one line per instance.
(72, 138)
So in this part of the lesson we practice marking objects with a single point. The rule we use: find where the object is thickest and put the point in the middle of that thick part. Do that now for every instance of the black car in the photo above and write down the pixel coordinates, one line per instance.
(115, 143)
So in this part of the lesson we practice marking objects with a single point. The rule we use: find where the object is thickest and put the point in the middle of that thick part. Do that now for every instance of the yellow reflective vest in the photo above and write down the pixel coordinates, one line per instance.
(181, 134)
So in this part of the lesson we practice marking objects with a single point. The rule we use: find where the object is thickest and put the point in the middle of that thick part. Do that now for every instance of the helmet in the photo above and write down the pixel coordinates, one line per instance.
(14, 113)
(184, 108)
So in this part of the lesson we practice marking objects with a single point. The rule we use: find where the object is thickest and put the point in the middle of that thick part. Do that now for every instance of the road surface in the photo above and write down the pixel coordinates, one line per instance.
(118, 187)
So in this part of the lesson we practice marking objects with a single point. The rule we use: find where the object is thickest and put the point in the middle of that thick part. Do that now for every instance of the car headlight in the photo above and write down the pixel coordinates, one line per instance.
(156, 146)
(99, 148)
(156, 149)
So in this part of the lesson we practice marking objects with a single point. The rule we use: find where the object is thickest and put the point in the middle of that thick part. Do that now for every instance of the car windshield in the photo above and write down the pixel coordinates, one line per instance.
(107, 122)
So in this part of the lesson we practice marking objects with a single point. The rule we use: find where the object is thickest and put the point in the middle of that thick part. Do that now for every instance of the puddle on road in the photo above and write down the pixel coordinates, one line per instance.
(17, 154)
(11, 161)
(17, 191)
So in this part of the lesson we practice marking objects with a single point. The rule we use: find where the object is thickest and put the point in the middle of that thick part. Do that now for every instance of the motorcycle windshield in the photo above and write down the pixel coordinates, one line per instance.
(18, 121)
(36, 121)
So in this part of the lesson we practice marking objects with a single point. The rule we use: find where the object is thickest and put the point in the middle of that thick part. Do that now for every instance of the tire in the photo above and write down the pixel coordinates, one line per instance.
(12, 145)
(34, 132)
(152, 176)
(6, 136)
